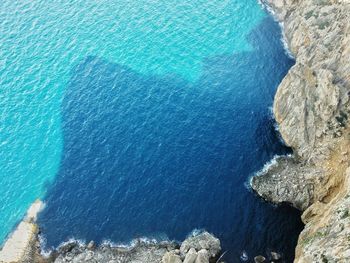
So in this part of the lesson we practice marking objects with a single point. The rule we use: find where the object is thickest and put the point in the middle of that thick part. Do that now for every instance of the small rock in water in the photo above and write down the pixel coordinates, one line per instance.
(275, 256)
(244, 256)
(259, 259)
(191, 256)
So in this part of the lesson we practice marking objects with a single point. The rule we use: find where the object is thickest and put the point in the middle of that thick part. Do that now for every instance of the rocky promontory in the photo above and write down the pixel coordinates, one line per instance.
(312, 109)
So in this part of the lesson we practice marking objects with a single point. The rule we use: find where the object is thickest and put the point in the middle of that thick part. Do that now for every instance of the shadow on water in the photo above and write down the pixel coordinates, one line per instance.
(159, 156)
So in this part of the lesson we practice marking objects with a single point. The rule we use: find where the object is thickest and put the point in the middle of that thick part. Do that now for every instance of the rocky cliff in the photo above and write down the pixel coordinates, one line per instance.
(312, 109)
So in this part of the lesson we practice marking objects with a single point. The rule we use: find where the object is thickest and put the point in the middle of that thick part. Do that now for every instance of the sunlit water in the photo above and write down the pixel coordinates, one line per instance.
(141, 118)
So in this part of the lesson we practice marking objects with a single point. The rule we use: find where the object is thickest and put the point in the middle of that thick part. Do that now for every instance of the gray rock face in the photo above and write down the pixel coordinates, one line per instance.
(312, 109)
(202, 241)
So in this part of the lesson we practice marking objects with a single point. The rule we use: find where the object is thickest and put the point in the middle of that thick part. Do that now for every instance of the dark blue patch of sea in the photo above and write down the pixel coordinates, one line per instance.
(159, 156)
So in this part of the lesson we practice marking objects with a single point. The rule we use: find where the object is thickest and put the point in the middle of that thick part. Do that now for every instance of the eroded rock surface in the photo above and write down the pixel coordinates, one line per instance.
(312, 110)
(202, 248)
(141, 252)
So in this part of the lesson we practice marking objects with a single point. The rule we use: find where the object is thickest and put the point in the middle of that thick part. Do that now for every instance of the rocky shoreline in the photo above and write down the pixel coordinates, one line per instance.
(312, 108)
(24, 246)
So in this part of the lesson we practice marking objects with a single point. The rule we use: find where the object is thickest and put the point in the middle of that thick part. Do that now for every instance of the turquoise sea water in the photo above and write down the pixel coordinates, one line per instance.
(40, 43)
(51, 52)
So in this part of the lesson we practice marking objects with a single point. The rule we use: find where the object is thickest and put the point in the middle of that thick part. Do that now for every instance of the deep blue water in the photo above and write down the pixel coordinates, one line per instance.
(159, 156)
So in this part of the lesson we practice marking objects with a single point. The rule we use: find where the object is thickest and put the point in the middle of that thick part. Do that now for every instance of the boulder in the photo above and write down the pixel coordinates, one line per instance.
(202, 256)
(259, 259)
(191, 256)
(244, 256)
(170, 257)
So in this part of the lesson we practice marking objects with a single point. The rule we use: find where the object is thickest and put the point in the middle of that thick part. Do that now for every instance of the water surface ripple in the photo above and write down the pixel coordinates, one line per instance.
(141, 118)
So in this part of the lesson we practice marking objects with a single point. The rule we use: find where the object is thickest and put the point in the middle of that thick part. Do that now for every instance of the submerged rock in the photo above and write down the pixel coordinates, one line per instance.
(259, 259)
(275, 256)
(244, 256)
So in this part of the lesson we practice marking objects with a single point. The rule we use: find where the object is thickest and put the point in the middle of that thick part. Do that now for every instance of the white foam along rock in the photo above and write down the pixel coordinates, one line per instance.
(202, 241)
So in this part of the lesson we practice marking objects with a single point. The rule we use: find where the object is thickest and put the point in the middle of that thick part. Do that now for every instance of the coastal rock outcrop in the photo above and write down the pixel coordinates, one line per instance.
(142, 251)
(312, 109)
(203, 241)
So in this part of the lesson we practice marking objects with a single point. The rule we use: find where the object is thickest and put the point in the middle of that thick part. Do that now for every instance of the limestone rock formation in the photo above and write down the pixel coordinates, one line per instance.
(142, 252)
(312, 109)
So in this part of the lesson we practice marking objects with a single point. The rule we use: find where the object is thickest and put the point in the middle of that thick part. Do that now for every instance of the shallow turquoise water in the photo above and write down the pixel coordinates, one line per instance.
(101, 98)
